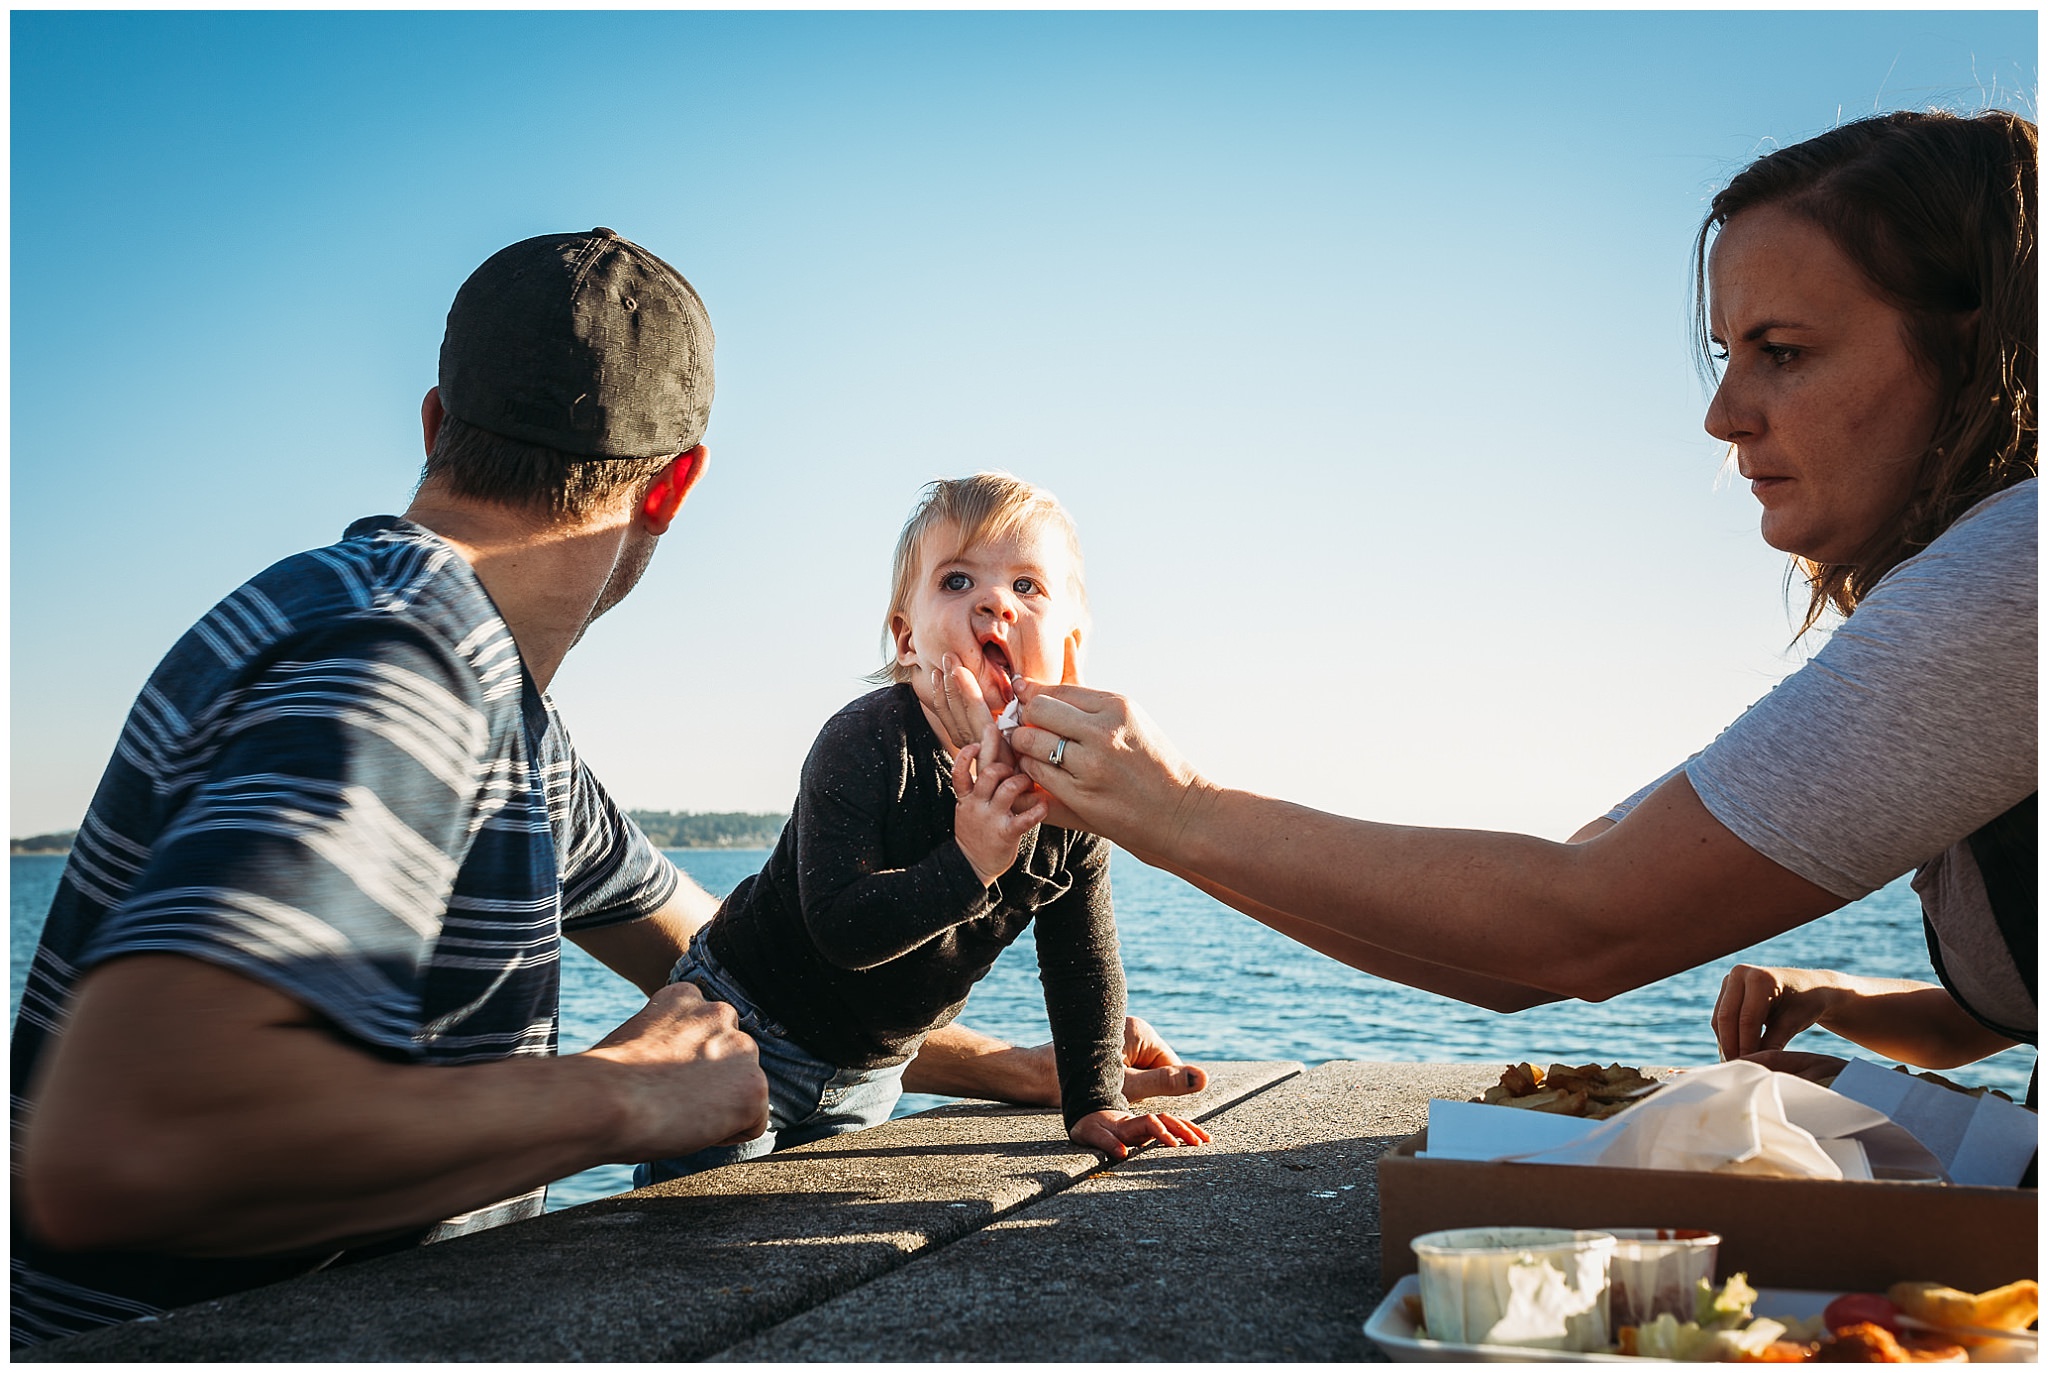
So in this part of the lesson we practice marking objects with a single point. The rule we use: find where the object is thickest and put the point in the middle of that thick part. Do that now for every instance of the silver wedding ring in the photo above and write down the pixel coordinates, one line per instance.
(1059, 751)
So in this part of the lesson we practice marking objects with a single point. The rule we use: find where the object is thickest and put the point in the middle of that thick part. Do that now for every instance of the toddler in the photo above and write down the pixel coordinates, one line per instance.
(905, 870)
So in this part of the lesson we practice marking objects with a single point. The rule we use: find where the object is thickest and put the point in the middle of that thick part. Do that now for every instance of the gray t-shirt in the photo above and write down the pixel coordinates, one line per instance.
(1914, 726)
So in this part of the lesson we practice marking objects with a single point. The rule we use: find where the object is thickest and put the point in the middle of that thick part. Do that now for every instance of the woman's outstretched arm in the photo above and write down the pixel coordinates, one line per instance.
(1494, 994)
(1666, 889)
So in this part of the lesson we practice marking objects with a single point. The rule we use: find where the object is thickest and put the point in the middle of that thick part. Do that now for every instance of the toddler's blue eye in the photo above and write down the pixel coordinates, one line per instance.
(955, 581)
(1025, 586)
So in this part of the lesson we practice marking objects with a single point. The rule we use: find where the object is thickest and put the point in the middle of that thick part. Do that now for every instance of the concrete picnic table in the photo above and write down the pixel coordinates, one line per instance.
(969, 1232)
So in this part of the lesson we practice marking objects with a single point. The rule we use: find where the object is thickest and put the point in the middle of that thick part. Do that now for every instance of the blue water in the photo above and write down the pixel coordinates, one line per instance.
(1221, 986)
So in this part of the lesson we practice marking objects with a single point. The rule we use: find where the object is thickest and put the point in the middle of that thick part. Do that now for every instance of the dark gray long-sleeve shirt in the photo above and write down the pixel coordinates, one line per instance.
(867, 927)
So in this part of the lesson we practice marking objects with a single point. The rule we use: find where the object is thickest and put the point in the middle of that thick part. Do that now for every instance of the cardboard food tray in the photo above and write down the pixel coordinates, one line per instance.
(1782, 1232)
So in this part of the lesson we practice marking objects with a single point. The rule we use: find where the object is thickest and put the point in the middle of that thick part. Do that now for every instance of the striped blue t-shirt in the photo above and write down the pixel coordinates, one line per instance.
(343, 784)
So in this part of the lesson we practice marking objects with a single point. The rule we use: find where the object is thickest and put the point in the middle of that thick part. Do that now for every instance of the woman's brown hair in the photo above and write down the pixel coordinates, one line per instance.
(1937, 210)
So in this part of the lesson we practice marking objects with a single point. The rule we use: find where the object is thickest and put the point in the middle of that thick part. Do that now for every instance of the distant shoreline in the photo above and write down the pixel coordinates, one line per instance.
(667, 829)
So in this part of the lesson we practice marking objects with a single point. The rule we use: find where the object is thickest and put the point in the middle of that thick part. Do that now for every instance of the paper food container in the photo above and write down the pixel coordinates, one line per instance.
(1782, 1232)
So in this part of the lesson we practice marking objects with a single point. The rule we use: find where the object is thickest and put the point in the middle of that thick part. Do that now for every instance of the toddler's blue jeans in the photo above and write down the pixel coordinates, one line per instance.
(808, 1098)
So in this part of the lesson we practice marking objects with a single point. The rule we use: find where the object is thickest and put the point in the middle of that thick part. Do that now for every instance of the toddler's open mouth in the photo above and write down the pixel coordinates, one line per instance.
(999, 671)
(999, 684)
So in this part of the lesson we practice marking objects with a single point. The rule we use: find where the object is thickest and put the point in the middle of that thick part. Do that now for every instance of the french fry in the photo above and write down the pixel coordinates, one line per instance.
(1557, 1102)
(1534, 1101)
(1588, 1090)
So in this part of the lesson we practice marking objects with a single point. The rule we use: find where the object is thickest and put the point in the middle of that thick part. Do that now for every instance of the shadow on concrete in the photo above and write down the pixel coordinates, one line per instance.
(1261, 1246)
(692, 1268)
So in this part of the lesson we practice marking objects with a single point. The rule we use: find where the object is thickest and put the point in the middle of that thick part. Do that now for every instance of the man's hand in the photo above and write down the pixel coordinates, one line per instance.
(692, 1078)
(1116, 1132)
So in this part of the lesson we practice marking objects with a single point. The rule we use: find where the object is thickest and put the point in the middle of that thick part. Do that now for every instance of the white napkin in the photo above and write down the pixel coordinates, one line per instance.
(1009, 719)
(1740, 1117)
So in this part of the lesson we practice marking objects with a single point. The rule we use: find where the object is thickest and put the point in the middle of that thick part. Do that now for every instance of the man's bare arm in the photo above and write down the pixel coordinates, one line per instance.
(189, 1109)
(644, 951)
(958, 1061)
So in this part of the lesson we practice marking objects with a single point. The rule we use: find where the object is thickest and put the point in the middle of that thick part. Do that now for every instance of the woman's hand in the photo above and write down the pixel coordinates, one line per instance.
(1763, 1008)
(1117, 775)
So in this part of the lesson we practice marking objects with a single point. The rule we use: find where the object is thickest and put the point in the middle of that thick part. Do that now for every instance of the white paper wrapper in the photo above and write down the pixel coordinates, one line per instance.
(1982, 1141)
(1743, 1118)
(1009, 719)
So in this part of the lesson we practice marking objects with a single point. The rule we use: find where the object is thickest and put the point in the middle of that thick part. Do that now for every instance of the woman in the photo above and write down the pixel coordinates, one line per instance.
(1870, 295)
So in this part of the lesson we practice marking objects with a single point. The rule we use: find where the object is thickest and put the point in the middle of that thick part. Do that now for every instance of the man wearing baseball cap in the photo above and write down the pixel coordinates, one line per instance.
(295, 1001)
(297, 990)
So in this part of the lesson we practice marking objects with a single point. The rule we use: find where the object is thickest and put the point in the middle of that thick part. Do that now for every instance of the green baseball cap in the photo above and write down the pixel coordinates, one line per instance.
(581, 342)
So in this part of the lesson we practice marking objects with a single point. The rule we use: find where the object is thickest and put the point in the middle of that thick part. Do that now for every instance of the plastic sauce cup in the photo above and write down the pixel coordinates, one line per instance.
(1515, 1285)
(1655, 1271)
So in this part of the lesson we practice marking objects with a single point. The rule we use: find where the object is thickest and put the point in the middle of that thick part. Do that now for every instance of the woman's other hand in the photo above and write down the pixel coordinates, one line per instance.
(1117, 775)
(1763, 1008)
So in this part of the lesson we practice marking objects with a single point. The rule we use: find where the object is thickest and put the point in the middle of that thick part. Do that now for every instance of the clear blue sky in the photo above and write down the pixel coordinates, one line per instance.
(1356, 343)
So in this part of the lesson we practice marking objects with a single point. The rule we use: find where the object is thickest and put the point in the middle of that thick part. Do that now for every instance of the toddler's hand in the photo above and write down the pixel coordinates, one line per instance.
(995, 746)
(1114, 1132)
(953, 694)
(994, 807)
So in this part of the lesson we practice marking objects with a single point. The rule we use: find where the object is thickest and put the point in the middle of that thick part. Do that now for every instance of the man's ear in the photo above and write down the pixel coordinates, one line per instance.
(431, 415)
(906, 648)
(665, 497)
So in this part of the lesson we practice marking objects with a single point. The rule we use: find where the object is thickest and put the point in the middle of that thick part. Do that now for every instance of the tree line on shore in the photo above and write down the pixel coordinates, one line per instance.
(669, 829)
(724, 829)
